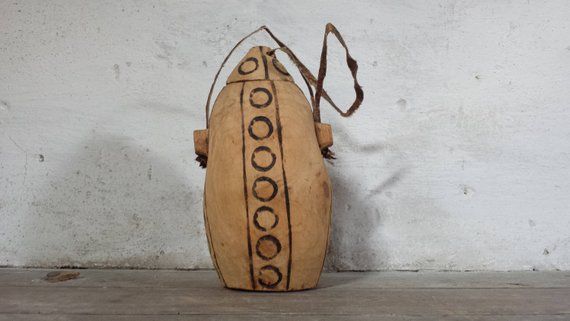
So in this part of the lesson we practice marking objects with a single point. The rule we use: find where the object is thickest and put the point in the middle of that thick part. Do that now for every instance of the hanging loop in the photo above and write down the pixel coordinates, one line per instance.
(308, 77)
(352, 65)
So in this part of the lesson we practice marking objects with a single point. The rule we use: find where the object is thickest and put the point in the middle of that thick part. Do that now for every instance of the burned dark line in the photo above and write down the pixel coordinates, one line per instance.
(264, 63)
(249, 249)
(285, 188)
(246, 80)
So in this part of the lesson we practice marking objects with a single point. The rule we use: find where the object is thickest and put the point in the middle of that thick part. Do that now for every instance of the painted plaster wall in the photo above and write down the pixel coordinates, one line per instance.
(459, 158)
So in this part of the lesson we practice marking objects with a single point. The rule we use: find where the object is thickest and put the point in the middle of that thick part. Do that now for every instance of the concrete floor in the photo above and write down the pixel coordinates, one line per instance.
(197, 295)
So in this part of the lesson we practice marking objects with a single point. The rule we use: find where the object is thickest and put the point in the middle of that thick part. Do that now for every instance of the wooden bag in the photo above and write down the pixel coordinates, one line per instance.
(267, 196)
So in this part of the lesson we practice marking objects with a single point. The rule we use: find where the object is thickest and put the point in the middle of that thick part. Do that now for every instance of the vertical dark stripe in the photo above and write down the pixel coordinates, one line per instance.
(264, 63)
(286, 189)
(249, 251)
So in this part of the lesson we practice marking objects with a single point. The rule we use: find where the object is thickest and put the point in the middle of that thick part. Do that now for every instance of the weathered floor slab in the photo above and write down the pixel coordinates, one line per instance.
(197, 295)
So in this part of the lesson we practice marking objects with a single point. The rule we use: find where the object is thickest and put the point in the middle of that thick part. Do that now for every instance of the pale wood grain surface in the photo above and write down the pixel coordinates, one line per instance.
(197, 295)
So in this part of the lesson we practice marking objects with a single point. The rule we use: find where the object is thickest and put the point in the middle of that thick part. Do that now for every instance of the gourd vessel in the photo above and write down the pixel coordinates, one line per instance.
(267, 195)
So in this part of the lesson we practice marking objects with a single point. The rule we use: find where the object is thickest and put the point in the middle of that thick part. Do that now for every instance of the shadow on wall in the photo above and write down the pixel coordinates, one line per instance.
(115, 204)
(356, 237)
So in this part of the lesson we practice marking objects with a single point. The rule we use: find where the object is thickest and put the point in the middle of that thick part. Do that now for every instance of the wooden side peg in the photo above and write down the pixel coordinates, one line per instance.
(324, 135)
(201, 146)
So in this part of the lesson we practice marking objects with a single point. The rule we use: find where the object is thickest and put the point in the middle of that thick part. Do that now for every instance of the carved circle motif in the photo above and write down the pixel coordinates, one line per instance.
(267, 247)
(248, 66)
(262, 218)
(279, 67)
(269, 276)
(257, 192)
(263, 152)
(260, 94)
(255, 134)
(264, 188)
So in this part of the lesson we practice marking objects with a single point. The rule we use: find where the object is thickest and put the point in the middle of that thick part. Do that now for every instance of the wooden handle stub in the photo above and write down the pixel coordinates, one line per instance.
(324, 135)
(201, 146)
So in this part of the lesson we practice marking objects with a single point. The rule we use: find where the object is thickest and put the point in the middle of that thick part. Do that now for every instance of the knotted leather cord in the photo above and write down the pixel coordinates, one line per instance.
(308, 77)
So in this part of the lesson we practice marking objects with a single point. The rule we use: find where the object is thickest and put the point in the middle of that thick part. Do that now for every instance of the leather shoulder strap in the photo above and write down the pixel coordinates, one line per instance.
(308, 77)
